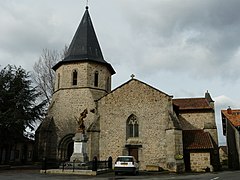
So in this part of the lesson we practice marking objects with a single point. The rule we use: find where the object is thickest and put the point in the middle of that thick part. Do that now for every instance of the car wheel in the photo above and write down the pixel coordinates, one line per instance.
(134, 172)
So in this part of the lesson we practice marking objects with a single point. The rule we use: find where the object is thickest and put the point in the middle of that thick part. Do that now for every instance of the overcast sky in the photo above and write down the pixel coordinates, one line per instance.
(181, 47)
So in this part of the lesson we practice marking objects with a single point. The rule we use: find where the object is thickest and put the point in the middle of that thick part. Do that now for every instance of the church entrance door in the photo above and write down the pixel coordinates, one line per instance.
(133, 152)
(187, 161)
(65, 148)
(70, 150)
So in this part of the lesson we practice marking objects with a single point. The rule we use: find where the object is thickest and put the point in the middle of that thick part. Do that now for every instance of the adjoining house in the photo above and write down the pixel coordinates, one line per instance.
(200, 141)
(223, 155)
(17, 151)
(231, 129)
(199, 151)
(133, 119)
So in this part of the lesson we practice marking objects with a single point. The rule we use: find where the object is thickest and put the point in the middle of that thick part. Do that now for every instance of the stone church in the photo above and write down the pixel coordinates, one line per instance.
(133, 119)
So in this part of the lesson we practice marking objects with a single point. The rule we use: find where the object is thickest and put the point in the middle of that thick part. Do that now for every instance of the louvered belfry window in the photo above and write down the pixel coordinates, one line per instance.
(74, 78)
(96, 79)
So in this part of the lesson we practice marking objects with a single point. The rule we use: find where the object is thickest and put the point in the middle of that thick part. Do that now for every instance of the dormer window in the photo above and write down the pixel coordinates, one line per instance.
(74, 78)
(96, 79)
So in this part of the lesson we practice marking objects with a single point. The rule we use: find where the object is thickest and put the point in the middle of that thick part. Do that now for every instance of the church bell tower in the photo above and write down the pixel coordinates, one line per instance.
(82, 77)
(85, 61)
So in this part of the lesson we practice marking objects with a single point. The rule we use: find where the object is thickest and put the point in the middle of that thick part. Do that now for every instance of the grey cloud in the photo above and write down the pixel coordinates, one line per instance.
(182, 47)
(25, 30)
(186, 35)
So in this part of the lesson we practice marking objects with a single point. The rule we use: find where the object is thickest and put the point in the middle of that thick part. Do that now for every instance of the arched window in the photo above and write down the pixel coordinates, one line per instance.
(58, 82)
(96, 79)
(108, 85)
(74, 77)
(132, 127)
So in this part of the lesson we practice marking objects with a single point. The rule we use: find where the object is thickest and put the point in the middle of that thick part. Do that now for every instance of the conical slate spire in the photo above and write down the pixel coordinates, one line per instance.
(84, 45)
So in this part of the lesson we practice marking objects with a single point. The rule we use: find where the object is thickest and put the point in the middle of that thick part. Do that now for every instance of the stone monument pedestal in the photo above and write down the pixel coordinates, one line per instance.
(80, 148)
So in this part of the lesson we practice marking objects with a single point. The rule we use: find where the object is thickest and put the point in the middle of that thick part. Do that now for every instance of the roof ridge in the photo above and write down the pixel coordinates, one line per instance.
(197, 139)
(189, 98)
(133, 79)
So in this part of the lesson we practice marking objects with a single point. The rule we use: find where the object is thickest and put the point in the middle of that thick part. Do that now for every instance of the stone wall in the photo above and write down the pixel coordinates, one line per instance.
(151, 107)
(223, 156)
(85, 76)
(174, 150)
(200, 161)
(233, 139)
(70, 100)
(66, 107)
(93, 145)
(237, 136)
(204, 119)
(199, 119)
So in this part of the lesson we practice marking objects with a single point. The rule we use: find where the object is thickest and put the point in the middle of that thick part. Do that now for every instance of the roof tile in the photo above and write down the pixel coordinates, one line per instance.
(192, 103)
(197, 139)
(233, 117)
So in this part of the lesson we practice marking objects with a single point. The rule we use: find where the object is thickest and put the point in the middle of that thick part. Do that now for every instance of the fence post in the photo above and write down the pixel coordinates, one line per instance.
(94, 163)
(44, 164)
(73, 165)
(63, 166)
(110, 162)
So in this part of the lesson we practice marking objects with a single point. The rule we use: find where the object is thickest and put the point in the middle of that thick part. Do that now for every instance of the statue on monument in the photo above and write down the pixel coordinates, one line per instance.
(80, 121)
(80, 140)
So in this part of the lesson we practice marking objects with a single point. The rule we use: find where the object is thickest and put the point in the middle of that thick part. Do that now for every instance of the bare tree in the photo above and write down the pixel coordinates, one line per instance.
(43, 74)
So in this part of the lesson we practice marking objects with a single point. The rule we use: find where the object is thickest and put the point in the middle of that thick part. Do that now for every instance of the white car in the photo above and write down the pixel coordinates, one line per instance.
(126, 164)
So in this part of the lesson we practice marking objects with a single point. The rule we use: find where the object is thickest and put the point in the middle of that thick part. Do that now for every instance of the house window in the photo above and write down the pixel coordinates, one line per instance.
(132, 127)
(74, 78)
(96, 79)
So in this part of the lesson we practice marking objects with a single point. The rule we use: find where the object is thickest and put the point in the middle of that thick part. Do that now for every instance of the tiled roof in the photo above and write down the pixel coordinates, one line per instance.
(192, 103)
(197, 139)
(233, 117)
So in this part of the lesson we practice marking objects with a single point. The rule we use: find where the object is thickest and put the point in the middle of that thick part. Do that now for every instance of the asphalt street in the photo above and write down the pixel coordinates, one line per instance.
(36, 175)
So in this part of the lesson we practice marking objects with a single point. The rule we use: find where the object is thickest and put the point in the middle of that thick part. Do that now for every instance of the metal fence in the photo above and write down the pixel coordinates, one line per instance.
(93, 165)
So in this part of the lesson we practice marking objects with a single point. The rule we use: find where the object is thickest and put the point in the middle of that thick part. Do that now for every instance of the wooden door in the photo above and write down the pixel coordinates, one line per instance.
(133, 152)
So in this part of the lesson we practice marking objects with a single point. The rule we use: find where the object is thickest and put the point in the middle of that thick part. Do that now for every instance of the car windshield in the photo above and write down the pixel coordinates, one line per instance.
(125, 159)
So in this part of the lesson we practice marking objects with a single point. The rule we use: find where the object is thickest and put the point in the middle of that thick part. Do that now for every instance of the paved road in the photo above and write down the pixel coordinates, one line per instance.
(35, 175)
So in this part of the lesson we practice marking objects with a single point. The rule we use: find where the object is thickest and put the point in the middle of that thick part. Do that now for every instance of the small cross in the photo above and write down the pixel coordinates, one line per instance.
(132, 76)
(87, 3)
